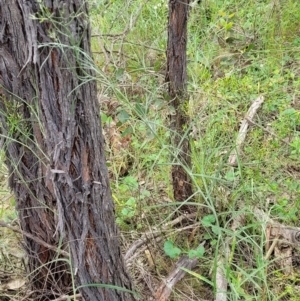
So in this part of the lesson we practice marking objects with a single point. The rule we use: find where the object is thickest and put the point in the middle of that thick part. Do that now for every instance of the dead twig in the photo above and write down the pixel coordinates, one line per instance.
(232, 161)
(271, 248)
(164, 291)
(221, 281)
(67, 297)
(284, 240)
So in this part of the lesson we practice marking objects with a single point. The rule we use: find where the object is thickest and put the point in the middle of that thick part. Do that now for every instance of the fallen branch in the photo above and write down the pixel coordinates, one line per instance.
(244, 129)
(281, 240)
(221, 280)
(34, 238)
(164, 291)
(291, 235)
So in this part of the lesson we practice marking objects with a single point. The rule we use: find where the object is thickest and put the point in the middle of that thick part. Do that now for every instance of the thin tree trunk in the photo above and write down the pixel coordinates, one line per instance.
(57, 68)
(176, 78)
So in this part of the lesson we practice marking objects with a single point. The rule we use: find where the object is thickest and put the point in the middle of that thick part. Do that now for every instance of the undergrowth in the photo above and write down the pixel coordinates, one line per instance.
(237, 51)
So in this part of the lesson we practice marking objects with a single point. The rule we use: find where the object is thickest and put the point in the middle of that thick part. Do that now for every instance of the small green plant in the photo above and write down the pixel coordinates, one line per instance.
(284, 210)
(132, 196)
(295, 144)
(129, 209)
(105, 119)
(196, 253)
(173, 251)
(209, 221)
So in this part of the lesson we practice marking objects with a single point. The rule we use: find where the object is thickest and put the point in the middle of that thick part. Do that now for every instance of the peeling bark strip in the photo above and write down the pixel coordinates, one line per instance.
(43, 65)
(164, 291)
(176, 78)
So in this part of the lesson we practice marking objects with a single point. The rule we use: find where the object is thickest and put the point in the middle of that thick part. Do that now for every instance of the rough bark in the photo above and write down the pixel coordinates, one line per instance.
(25, 149)
(176, 78)
(51, 72)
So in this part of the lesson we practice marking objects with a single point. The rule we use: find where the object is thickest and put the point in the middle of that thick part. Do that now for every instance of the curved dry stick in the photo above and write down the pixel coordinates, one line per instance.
(164, 291)
(244, 129)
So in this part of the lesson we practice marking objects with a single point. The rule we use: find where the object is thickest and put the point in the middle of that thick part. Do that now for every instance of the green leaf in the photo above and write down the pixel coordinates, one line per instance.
(198, 276)
(146, 193)
(105, 118)
(125, 211)
(230, 176)
(119, 73)
(157, 65)
(127, 131)
(198, 253)
(228, 25)
(128, 212)
(131, 202)
(140, 109)
(213, 242)
(207, 236)
(208, 220)
(216, 229)
(131, 182)
(290, 111)
(123, 116)
(171, 250)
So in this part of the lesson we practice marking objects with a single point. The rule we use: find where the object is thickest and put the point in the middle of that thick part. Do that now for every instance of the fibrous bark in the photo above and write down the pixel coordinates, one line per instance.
(176, 78)
(25, 148)
(52, 74)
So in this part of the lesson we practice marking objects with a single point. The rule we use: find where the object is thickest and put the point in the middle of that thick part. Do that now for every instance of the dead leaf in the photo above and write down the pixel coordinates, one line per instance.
(15, 284)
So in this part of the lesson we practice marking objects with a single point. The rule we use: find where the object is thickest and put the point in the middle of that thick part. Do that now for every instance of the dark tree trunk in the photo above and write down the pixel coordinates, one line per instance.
(25, 148)
(45, 71)
(176, 78)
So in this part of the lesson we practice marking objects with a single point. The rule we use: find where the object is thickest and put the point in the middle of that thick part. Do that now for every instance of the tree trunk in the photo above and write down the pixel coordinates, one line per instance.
(26, 151)
(176, 78)
(46, 71)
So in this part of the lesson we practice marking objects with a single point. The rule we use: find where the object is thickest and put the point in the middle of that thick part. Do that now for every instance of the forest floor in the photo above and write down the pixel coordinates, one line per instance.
(238, 52)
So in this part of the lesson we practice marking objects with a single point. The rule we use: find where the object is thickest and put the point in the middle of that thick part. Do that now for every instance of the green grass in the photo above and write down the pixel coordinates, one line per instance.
(237, 51)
